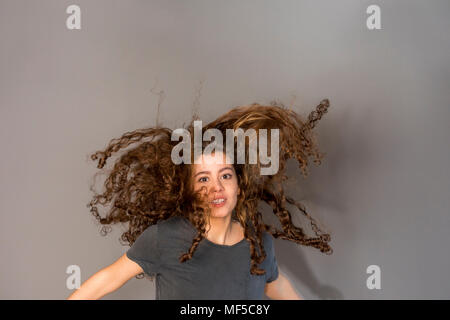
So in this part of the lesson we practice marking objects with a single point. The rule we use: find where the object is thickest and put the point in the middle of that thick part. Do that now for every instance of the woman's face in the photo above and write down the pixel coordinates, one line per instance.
(219, 183)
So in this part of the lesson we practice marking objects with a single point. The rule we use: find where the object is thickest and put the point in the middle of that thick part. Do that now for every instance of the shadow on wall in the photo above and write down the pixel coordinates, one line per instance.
(299, 267)
(289, 254)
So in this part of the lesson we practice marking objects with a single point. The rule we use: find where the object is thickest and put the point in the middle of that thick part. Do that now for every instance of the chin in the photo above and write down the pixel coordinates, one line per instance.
(219, 213)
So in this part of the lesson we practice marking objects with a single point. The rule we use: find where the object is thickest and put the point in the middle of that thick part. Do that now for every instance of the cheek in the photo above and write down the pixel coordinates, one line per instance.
(234, 201)
(235, 191)
(201, 188)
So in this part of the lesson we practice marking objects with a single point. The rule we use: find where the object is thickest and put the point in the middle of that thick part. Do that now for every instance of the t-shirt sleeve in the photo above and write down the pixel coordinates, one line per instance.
(272, 270)
(145, 251)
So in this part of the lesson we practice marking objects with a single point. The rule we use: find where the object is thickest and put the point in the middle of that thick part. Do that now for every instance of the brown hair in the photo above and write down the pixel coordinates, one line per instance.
(145, 186)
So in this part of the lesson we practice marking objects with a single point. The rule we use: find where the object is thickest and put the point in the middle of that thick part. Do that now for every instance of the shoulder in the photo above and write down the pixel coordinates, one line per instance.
(267, 237)
(162, 227)
(176, 227)
(173, 223)
(268, 242)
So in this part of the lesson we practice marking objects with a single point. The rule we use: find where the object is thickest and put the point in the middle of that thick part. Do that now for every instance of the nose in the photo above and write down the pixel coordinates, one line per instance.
(216, 186)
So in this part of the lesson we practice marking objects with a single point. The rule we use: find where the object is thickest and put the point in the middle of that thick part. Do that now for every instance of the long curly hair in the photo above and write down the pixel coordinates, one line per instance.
(145, 186)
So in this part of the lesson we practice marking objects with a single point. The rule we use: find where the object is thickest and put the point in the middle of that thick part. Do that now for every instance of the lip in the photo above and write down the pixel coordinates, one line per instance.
(218, 205)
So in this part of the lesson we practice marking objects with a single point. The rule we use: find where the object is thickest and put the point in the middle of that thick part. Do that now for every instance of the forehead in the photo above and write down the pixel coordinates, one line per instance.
(212, 162)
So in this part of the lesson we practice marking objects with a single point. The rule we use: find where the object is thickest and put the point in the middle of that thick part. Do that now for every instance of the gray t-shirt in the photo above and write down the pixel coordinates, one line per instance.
(214, 272)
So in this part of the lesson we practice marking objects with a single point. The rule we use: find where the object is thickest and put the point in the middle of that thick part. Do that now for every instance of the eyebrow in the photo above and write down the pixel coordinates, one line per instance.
(210, 171)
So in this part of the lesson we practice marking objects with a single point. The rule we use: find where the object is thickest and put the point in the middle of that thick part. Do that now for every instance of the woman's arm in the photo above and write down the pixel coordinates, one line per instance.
(281, 289)
(107, 280)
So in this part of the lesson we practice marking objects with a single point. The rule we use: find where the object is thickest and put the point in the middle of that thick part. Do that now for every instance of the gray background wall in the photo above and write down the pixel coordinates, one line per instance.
(382, 189)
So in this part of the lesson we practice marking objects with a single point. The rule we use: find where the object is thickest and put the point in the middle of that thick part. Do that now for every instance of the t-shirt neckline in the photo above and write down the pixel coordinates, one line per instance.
(209, 242)
(224, 245)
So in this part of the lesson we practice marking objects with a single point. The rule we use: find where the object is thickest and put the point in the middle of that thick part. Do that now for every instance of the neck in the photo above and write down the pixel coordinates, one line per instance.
(219, 230)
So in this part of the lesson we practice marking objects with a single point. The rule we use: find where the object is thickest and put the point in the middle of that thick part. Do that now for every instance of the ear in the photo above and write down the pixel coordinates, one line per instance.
(239, 191)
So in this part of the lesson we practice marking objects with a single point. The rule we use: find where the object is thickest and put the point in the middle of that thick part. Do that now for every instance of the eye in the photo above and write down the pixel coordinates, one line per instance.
(200, 180)
(227, 174)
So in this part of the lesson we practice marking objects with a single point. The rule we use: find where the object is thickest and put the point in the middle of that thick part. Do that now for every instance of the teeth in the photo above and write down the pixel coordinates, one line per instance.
(218, 201)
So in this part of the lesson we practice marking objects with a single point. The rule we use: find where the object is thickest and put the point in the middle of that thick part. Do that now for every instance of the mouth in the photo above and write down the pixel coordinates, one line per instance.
(219, 202)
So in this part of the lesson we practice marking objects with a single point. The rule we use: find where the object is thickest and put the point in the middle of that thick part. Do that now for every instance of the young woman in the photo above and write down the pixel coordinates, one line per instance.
(196, 227)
